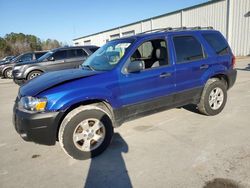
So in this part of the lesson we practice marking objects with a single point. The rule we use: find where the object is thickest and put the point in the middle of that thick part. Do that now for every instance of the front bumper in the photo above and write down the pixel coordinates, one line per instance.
(40, 128)
(1, 73)
(232, 75)
(19, 82)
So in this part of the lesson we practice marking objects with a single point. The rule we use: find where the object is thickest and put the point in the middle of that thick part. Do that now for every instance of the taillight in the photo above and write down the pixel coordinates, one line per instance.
(233, 62)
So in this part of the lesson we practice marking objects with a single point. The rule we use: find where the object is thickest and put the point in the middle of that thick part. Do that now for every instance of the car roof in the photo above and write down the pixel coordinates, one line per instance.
(168, 31)
(74, 47)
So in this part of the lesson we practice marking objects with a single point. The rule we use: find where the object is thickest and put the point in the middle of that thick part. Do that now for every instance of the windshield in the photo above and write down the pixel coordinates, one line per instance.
(45, 56)
(108, 56)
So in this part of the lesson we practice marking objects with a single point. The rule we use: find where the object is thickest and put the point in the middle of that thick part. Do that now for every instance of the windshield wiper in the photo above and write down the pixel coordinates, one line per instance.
(89, 67)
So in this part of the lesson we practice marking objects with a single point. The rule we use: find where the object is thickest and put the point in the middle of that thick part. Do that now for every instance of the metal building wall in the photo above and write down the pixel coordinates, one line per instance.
(239, 27)
(228, 16)
(210, 15)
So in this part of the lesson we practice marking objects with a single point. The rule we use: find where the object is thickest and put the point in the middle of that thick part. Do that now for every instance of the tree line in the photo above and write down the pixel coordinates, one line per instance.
(17, 43)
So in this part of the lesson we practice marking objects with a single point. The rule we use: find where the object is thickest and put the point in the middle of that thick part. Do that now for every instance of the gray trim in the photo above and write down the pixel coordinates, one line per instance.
(148, 19)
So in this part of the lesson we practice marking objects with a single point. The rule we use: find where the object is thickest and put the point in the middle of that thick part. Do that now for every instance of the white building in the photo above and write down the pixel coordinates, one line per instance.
(231, 17)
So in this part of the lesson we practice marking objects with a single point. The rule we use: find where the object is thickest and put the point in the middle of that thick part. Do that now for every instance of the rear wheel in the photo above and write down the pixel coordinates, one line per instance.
(214, 97)
(85, 132)
(34, 74)
(8, 73)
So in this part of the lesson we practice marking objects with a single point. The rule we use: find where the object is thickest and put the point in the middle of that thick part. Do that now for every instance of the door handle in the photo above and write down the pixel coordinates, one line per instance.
(205, 66)
(165, 75)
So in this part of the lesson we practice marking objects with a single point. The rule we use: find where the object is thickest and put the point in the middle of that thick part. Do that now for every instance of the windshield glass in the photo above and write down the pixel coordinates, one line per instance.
(45, 56)
(108, 56)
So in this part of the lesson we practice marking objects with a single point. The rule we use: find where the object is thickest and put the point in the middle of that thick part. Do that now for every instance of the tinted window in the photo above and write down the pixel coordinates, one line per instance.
(217, 42)
(59, 55)
(93, 49)
(187, 48)
(76, 53)
(39, 54)
(26, 57)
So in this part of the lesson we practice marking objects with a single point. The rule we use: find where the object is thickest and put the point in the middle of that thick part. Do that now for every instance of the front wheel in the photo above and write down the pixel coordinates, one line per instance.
(85, 132)
(213, 98)
(34, 74)
(8, 73)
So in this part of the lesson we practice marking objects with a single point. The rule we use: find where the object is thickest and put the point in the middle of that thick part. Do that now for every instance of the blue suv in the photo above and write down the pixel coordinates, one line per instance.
(124, 79)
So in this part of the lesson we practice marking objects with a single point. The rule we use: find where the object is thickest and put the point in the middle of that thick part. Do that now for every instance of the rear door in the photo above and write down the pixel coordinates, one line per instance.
(191, 62)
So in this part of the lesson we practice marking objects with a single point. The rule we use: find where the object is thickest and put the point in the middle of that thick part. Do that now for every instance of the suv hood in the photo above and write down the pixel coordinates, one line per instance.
(51, 79)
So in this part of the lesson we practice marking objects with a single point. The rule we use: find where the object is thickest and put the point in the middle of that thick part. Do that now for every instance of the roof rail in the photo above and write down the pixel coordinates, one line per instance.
(175, 29)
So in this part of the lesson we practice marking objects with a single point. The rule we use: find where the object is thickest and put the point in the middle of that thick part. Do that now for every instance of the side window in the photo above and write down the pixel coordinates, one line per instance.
(26, 57)
(38, 55)
(152, 53)
(59, 55)
(93, 49)
(187, 48)
(81, 53)
(146, 49)
(217, 42)
(75, 53)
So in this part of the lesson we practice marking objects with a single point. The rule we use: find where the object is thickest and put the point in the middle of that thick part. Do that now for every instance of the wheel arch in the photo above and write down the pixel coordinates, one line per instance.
(217, 71)
(222, 77)
(30, 69)
(98, 102)
(6, 68)
(26, 76)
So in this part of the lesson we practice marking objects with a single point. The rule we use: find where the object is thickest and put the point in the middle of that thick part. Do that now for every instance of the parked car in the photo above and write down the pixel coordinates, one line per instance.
(56, 59)
(7, 59)
(7, 67)
(125, 79)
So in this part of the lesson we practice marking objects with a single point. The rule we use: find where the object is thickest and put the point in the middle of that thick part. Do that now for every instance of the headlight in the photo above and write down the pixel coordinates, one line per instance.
(32, 104)
(17, 67)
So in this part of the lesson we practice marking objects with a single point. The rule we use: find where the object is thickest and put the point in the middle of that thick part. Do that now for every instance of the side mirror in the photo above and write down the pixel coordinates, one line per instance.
(51, 58)
(20, 60)
(135, 66)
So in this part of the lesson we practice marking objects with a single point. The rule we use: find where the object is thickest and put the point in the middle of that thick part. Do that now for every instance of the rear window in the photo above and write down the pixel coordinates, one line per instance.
(217, 42)
(187, 48)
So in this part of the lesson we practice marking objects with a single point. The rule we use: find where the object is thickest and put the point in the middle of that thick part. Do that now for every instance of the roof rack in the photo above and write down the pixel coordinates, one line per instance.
(175, 29)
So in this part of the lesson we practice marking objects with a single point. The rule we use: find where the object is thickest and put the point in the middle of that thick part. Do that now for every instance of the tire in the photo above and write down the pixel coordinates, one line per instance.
(33, 74)
(79, 127)
(8, 73)
(213, 98)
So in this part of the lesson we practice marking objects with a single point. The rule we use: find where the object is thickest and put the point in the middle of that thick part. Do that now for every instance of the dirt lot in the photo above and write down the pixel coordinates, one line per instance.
(174, 148)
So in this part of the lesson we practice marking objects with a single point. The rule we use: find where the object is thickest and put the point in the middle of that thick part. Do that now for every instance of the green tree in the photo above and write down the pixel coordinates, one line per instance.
(17, 43)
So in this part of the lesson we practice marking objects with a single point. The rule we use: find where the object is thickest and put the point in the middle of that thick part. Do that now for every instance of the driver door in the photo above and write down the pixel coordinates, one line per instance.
(56, 61)
(152, 87)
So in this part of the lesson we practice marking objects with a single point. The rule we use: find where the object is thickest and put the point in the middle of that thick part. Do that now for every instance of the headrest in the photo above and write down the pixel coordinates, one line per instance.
(161, 53)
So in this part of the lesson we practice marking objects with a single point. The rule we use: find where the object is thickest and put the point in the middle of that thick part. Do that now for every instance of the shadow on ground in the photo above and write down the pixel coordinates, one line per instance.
(222, 183)
(109, 169)
(244, 69)
(192, 108)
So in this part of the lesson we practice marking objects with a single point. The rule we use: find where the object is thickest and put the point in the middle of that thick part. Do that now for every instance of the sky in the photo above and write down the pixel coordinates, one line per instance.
(65, 20)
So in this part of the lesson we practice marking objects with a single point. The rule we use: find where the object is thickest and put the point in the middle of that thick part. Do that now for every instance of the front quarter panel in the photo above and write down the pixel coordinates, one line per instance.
(63, 96)
(32, 68)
